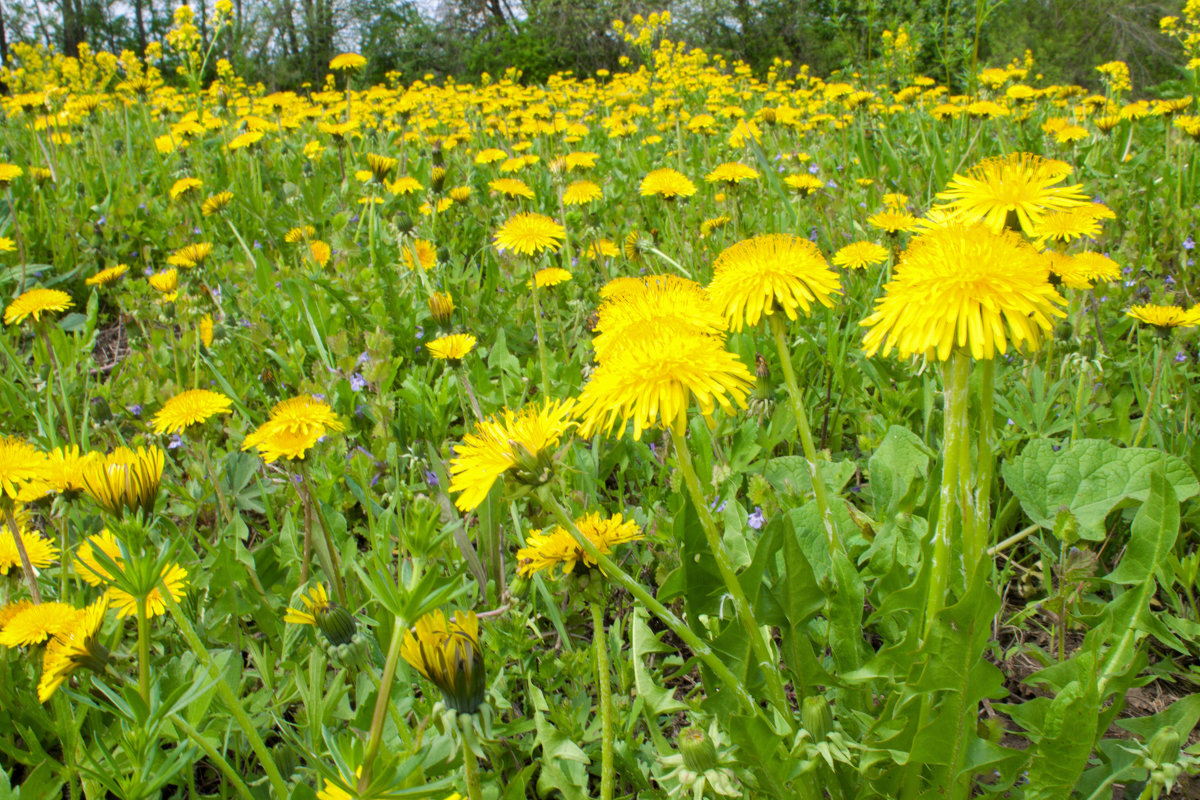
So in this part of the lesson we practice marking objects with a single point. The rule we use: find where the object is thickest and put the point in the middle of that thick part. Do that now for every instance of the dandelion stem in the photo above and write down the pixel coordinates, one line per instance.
(143, 630)
(956, 373)
(810, 452)
(1151, 396)
(613, 572)
(212, 476)
(604, 680)
(325, 548)
(382, 701)
(758, 645)
(26, 566)
(471, 771)
(541, 334)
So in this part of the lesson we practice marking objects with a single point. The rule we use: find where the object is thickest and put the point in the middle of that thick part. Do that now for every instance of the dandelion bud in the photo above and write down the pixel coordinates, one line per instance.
(437, 179)
(770, 116)
(1164, 747)
(447, 652)
(699, 753)
(441, 307)
(435, 155)
(336, 623)
(404, 222)
(816, 717)
(125, 480)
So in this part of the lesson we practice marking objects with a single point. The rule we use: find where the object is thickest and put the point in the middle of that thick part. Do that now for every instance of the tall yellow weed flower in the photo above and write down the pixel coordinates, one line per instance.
(125, 479)
(520, 443)
(1016, 190)
(295, 425)
(966, 287)
(652, 376)
(759, 276)
(447, 652)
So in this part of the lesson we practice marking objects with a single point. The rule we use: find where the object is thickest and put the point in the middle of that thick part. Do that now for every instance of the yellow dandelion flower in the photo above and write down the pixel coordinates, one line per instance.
(528, 234)
(315, 602)
(581, 193)
(245, 140)
(804, 183)
(106, 276)
(755, 277)
(859, 255)
(295, 425)
(550, 276)
(193, 255)
(601, 248)
(26, 474)
(447, 652)
(1096, 267)
(88, 567)
(125, 479)
(559, 548)
(9, 172)
(41, 551)
(460, 194)
(301, 233)
(37, 623)
(67, 465)
(216, 203)
(668, 301)
(666, 183)
(77, 646)
(964, 286)
(731, 173)
(441, 307)
(425, 258)
(490, 155)
(34, 303)
(381, 166)
(185, 187)
(1021, 185)
(190, 408)
(320, 252)
(520, 443)
(893, 222)
(452, 348)
(165, 283)
(511, 187)
(347, 62)
(1164, 317)
(580, 160)
(653, 374)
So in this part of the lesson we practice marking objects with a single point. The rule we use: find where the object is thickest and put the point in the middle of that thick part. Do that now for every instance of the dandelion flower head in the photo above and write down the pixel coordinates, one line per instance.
(528, 234)
(1021, 184)
(520, 442)
(190, 408)
(559, 548)
(756, 276)
(34, 303)
(964, 286)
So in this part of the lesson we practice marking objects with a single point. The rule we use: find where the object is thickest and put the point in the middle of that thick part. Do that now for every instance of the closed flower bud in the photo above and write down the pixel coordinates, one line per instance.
(437, 179)
(816, 717)
(404, 222)
(1164, 746)
(336, 623)
(699, 753)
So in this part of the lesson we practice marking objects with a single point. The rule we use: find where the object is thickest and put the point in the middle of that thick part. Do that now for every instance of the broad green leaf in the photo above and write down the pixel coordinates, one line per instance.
(1068, 735)
(658, 700)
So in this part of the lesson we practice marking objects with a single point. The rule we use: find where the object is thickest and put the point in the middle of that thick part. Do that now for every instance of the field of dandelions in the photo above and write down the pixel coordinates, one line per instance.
(666, 433)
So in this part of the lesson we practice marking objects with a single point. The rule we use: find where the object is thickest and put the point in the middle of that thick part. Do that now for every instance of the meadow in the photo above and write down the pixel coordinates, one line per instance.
(670, 432)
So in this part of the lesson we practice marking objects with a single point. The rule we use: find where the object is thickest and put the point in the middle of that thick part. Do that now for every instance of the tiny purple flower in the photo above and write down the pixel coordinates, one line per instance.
(756, 520)
(175, 442)
(136, 409)
(357, 382)
(1189, 243)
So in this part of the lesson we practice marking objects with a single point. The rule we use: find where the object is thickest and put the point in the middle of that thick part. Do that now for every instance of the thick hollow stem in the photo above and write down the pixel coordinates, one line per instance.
(382, 699)
(987, 459)
(143, 630)
(471, 773)
(541, 336)
(325, 548)
(758, 645)
(1151, 396)
(806, 441)
(222, 503)
(604, 681)
(955, 377)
